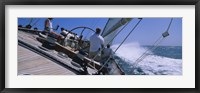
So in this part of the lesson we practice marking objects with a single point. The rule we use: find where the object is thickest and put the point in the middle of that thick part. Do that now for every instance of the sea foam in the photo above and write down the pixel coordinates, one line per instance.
(150, 65)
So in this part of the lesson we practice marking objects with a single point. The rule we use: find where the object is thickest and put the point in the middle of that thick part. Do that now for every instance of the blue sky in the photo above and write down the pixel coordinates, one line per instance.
(146, 33)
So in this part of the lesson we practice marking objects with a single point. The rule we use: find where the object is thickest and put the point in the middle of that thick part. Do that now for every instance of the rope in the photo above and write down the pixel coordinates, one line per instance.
(155, 45)
(30, 21)
(169, 24)
(36, 22)
(24, 23)
(149, 49)
(144, 55)
(121, 43)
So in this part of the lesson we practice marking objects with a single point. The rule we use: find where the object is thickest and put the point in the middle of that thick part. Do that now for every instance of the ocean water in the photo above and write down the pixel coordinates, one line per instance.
(164, 60)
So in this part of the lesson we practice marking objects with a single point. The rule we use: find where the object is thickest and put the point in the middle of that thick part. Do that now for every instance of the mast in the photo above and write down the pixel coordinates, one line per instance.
(105, 26)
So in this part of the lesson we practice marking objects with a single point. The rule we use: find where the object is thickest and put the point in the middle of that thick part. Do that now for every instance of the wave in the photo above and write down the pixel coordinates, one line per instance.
(150, 65)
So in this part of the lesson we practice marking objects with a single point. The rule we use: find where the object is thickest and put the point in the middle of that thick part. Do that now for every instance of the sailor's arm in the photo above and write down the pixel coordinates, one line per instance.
(111, 53)
(56, 27)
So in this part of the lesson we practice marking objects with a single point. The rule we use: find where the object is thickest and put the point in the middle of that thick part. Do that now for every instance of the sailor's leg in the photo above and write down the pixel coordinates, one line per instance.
(92, 55)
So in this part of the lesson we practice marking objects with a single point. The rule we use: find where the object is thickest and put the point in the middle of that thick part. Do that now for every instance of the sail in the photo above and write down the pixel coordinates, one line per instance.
(111, 27)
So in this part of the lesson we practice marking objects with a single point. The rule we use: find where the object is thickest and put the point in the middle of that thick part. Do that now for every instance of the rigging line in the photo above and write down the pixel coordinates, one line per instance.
(97, 22)
(113, 70)
(23, 22)
(36, 22)
(169, 24)
(26, 21)
(152, 49)
(30, 21)
(122, 43)
(92, 24)
(146, 55)
(154, 46)
(149, 49)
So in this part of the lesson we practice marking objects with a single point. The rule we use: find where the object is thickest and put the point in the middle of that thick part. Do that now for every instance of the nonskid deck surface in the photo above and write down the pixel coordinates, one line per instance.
(33, 63)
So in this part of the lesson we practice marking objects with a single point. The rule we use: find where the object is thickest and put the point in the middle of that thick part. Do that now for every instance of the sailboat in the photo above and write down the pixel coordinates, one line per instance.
(67, 43)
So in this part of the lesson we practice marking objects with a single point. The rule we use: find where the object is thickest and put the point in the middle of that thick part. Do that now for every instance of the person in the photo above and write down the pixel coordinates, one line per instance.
(106, 53)
(80, 42)
(48, 26)
(96, 42)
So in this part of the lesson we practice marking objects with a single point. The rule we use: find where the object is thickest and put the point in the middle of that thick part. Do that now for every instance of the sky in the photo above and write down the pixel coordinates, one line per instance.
(146, 33)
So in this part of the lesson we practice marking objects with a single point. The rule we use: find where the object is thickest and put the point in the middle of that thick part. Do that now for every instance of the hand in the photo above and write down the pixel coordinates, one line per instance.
(57, 27)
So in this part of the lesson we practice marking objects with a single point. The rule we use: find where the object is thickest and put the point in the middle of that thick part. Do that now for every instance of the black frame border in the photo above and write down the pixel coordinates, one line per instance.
(3, 3)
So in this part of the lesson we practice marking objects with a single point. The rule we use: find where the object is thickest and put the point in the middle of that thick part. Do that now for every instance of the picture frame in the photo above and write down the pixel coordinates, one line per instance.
(99, 2)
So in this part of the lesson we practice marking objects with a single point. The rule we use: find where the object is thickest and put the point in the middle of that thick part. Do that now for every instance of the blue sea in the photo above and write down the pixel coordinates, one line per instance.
(167, 51)
(164, 60)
